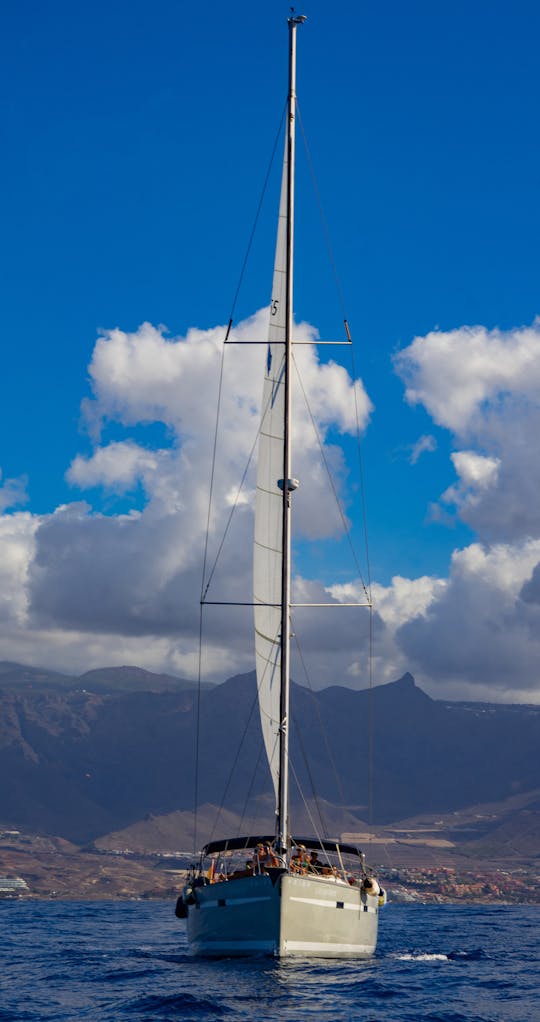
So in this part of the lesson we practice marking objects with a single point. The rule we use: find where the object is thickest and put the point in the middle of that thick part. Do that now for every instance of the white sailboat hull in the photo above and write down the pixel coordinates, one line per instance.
(298, 916)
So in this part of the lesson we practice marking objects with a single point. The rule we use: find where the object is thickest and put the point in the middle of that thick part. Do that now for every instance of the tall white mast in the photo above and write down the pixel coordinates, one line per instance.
(283, 799)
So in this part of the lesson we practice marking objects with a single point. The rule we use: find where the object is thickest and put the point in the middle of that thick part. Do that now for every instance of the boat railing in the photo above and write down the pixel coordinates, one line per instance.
(234, 863)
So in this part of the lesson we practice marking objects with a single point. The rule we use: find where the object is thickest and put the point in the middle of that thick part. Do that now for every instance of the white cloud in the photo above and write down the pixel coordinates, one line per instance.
(478, 632)
(81, 589)
(425, 443)
(406, 598)
(91, 587)
(474, 635)
(331, 645)
(117, 467)
(393, 605)
(13, 492)
(476, 475)
(17, 532)
(148, 377)
(455, 374)
(476, 469)
(484, 387)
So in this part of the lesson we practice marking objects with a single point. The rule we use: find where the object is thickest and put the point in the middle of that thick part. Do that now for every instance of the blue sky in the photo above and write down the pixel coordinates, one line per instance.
(136, 139)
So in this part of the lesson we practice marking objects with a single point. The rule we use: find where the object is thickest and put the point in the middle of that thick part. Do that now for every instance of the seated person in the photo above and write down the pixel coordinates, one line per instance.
(270, 857)
(259, 856)
(299, 861)
(314, 865)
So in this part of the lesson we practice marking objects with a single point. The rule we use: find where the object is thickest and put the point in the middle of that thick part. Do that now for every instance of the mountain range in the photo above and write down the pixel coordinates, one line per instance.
(83, 757)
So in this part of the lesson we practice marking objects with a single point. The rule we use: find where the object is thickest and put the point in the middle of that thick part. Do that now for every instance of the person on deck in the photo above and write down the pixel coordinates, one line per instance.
(299, 861)
(314, 865)
(270, 858)
(259, 857)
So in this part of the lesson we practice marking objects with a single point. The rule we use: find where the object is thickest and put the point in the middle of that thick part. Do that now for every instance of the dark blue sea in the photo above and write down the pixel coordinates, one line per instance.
(128, 962)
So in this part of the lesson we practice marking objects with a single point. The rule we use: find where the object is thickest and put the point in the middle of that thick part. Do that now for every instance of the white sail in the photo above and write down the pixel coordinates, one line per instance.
(267, 559)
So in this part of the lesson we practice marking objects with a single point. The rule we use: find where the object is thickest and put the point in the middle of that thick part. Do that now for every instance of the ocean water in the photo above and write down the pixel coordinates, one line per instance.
(128, 962)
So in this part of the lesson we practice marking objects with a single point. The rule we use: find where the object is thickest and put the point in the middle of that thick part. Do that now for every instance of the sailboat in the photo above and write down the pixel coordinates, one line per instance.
(321, 901)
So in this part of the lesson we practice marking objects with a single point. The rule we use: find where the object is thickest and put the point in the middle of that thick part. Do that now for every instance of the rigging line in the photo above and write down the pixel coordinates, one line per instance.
(308, 811)
(346, 528)
(371, 718)
(230, 323)
(213, 471)
(203, 575)
(236, 499)
(387, 853)
(250, 789)
(322, 821)
(324, 732)
(197, 736)
(361, 475)
(233, 767)
(343, 310)
(257, 214)
(239, 749)
(322, 216)
(230, 518)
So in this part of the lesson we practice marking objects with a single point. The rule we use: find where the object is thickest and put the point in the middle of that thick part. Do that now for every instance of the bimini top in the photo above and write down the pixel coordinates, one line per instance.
(234, 844)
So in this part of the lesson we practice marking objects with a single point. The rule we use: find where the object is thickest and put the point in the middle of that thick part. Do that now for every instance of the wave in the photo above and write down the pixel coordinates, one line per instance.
(176, 1003)
(421, 956)
(437, 956)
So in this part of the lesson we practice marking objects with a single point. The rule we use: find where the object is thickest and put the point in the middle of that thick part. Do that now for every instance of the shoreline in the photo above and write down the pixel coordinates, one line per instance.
(51, 869)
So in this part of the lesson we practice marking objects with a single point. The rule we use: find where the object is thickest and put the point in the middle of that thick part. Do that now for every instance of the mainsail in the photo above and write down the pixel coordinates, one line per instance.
(267, 559)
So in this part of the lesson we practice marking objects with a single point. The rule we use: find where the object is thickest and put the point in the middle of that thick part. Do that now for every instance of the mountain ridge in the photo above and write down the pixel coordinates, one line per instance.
(126, 678)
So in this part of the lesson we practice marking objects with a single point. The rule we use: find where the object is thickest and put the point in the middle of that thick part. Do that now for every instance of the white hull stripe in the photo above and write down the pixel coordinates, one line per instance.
(311, 945)
(230, 902)
(332, 904)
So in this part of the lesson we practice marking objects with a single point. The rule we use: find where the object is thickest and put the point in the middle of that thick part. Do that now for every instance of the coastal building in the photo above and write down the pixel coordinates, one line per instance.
(12, 885)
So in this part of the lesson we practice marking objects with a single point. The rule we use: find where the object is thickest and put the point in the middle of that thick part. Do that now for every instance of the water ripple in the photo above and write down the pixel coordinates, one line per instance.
(106, 962)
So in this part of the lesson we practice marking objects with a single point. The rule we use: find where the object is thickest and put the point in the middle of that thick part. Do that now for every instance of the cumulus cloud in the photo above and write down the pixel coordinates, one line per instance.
(81, 588)
(117, 467)
(331, 642)
(483, 386)
(456, 374)
(146, 377)
(478, 633)
(107, 584)
(476, 475)
(473, 635)
(17, 547)
(401, 601)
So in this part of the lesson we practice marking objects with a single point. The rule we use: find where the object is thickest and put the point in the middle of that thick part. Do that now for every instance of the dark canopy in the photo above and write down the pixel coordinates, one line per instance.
(234, 844)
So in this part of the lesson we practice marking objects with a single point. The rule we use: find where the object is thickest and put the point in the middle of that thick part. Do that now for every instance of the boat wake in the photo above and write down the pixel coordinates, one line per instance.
(451, 956)
(419, 956)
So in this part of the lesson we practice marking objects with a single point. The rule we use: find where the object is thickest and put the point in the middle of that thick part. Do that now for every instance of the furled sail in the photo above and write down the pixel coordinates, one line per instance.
(267, 559)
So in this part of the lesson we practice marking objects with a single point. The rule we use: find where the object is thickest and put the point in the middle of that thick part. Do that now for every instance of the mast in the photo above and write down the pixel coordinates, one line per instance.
(288, 485)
